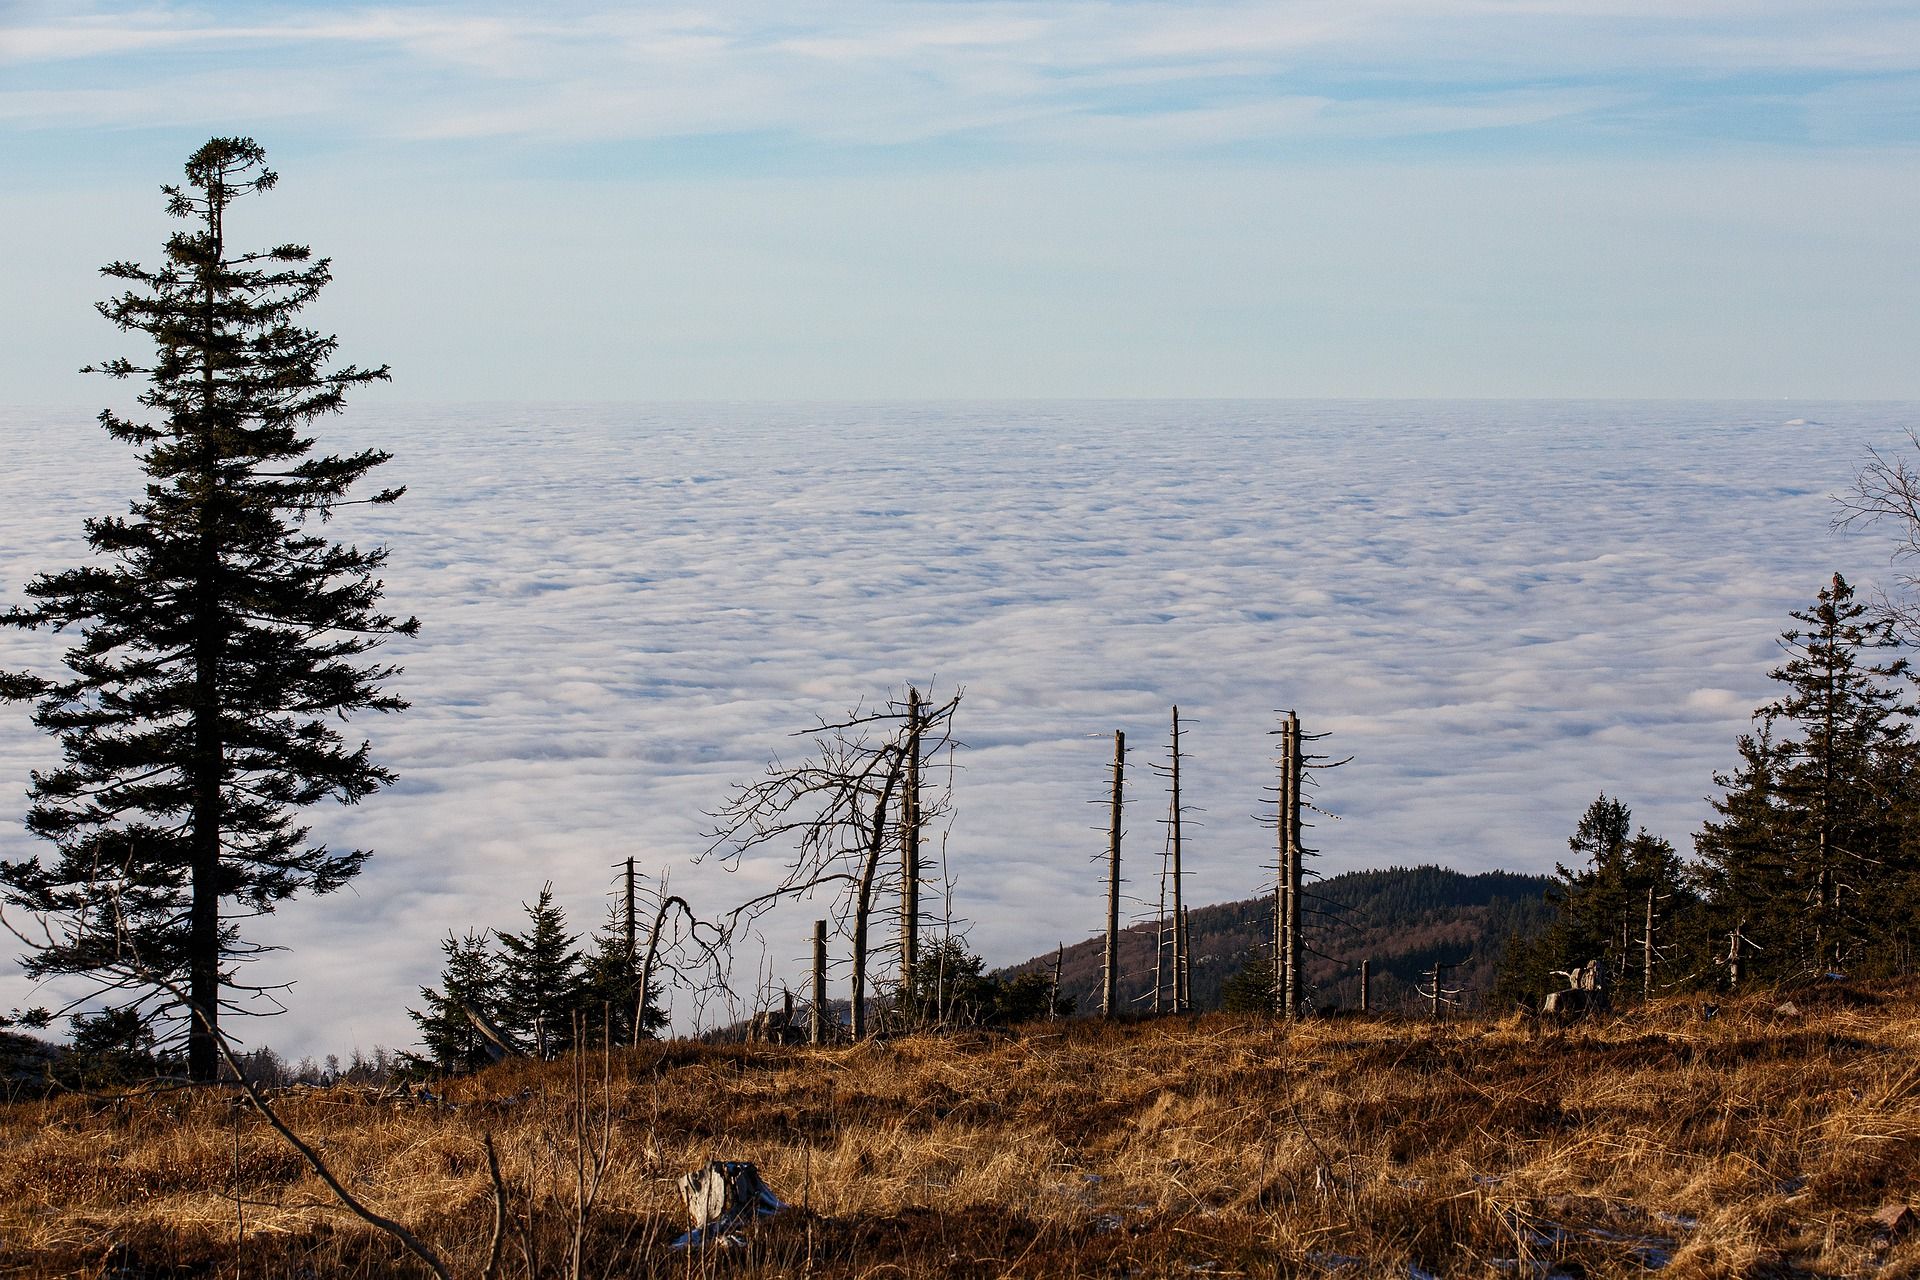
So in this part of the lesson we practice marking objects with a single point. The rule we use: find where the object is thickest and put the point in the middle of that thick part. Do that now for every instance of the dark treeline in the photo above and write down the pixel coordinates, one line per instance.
(1402, 919)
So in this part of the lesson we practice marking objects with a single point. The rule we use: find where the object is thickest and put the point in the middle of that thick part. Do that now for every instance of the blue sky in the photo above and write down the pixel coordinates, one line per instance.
(1348, 197)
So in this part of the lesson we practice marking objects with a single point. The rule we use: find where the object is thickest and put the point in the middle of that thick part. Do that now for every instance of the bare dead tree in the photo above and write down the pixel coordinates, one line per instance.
(1171, 952)
(1162, 986)
(1287, 951)
(1299, 770)
(688, 951)
(661, 944)
(628, 918)
(1053, 996)
(1648, 951)
(863, 901)
(942, 989)
(1437, 993)
(1110, 977)
(1182, 961)
(834, 812)
(1886, 492)
(1185, 927)
(817, 1024)
(910, 827)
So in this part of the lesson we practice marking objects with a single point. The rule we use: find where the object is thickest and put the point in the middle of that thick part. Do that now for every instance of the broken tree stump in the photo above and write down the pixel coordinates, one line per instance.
(495, 1042)
(1586, 993)
(723, 1193)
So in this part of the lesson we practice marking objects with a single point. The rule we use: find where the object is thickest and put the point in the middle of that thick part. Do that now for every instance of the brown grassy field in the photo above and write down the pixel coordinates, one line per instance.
(1761, 1142)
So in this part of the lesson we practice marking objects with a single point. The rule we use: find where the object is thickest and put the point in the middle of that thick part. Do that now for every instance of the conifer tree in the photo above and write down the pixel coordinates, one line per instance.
(1819, 813)
(469, 982)
(610, 988)
(1744, 870)
(1251, 990)
(1603, 904)
(219, 633)
(109, 1047)
(1600, 903)
(949, 985)
(540, 983)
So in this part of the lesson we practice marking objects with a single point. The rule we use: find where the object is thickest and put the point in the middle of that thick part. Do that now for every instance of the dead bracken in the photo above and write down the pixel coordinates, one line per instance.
(1741, 1145)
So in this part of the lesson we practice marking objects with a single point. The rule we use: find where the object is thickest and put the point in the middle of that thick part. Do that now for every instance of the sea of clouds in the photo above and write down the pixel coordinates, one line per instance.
(1498, 609)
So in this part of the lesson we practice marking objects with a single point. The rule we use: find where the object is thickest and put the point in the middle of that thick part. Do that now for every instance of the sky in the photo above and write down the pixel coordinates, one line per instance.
(1393, 198)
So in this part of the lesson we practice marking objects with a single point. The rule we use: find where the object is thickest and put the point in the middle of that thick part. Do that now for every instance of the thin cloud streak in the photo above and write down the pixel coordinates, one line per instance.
(887, 75)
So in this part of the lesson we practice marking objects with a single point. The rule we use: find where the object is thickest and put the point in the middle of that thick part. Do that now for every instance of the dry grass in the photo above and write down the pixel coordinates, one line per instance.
(1754, 1144)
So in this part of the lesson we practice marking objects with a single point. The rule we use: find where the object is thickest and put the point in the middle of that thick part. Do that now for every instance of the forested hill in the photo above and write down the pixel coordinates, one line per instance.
(1403, 919)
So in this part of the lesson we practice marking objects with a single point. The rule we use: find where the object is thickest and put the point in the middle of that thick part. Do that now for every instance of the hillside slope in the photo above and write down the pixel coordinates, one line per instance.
(1778, 1137)
(1403, 919)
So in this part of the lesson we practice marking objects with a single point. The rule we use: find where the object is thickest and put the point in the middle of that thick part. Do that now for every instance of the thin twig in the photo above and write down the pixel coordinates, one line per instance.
(496, 1246)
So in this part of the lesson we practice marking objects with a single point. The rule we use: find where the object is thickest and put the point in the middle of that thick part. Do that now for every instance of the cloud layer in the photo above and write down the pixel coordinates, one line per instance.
(1499, 609)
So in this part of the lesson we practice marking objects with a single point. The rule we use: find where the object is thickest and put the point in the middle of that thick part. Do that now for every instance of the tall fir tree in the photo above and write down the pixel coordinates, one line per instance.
(470, 983)
(219, 633)
(1816, 825)
(540, 983)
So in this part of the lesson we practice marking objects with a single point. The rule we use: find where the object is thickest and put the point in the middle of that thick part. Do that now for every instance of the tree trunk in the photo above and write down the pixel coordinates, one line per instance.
(1296, 942)
(863, 905)
(1283, 877)
(1181, 995)
(203, 948)
(857, 984)
(1110, 982)
(1186, 956)
(629, 953)
(203, 1054)
(910, 850)
(1162, 946)
(1053, 1001)
(1646, 970)
(640, 1031)
(819, 1035)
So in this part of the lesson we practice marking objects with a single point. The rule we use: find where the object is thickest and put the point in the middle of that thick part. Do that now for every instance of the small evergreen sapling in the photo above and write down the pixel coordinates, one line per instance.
(540, 985)
(470, 983)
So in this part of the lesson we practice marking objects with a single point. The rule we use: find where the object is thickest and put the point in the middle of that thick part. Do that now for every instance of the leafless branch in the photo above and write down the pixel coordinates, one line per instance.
(1886, 491)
